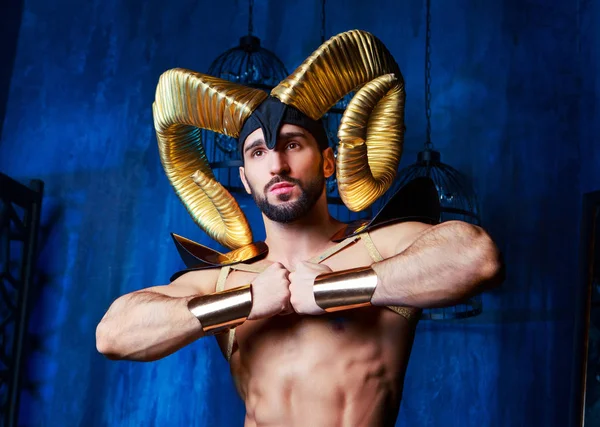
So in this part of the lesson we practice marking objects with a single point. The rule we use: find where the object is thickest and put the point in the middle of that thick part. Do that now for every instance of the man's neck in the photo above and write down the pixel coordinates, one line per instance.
(301, 240)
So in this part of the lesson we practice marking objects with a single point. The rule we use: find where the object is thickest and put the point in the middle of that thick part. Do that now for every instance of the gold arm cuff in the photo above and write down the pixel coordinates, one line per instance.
(342, 290)
(222, 311)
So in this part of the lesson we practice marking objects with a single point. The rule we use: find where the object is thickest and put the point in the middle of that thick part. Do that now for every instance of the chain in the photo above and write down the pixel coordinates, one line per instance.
(250, 10)
(428, 143)
(322, 21)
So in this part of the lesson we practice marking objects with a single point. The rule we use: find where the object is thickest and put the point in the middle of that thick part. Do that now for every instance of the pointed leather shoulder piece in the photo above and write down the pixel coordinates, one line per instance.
(197, 256)
(416, 201)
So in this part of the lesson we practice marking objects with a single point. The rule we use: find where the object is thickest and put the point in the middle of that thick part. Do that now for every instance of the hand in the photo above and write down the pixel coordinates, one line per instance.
(270, 293)
(301, 287)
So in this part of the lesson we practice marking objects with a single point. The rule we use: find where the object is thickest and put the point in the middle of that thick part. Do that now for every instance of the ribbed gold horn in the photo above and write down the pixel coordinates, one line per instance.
(185, 103)
(371, 140)
(374, 125)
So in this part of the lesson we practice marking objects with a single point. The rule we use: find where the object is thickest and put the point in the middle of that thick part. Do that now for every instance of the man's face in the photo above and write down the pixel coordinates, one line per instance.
(287, 181)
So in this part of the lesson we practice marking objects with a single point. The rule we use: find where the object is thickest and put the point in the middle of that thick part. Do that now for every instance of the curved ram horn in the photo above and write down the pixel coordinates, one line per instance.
(185, 103)
(373, 121)
(371, 140)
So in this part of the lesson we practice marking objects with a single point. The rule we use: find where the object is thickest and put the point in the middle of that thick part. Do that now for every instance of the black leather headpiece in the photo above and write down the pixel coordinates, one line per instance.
(271, 114)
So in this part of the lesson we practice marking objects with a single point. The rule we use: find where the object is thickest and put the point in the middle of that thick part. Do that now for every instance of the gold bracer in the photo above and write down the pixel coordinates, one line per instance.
(222, 311)
(342, 290)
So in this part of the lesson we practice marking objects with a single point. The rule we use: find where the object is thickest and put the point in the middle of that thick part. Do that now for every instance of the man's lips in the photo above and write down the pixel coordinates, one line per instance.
(281, 188)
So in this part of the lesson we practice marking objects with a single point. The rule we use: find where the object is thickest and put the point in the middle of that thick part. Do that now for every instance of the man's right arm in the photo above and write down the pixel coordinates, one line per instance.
(153, 323)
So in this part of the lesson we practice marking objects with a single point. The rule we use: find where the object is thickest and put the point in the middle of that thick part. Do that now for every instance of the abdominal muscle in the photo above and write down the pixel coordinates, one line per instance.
(331, 370)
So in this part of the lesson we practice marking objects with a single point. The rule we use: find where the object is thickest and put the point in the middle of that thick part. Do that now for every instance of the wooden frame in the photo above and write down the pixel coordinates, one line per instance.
(585, 406)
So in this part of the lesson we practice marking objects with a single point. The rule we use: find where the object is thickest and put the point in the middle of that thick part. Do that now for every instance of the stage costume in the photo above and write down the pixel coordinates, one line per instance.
(371, 136)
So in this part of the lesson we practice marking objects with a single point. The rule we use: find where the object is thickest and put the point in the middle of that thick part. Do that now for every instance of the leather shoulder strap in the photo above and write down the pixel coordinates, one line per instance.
(373, 252)
(333, 250)
(221, 285)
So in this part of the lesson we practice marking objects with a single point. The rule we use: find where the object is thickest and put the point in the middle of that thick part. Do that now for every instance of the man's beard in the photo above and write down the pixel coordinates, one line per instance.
(290, 212)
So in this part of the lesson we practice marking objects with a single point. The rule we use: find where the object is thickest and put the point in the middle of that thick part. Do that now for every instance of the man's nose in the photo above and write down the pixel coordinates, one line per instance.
(278, 163)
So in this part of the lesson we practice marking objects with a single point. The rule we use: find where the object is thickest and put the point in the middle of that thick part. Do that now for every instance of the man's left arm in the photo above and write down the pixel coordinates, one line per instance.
(443, 265)
(427, 266)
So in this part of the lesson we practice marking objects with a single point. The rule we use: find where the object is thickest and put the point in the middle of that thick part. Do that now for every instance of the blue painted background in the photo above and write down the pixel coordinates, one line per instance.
(515, 107)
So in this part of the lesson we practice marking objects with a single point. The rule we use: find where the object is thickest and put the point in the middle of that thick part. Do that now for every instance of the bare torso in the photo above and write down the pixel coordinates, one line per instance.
(342, 369)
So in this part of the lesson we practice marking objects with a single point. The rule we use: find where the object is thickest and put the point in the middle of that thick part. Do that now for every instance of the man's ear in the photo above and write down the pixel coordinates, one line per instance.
(328, 162)
(243, 178)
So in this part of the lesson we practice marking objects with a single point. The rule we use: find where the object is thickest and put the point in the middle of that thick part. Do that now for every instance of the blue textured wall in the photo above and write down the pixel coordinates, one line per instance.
(515, 106)
(589, 45)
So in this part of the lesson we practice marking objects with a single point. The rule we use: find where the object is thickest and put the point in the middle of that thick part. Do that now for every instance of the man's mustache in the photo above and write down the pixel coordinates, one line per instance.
(277, 179)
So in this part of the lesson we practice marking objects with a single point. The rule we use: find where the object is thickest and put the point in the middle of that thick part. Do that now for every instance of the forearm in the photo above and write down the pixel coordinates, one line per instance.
(146, 326)
(443, 266)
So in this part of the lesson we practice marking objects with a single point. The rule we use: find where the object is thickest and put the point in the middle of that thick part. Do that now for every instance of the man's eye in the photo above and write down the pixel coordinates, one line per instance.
(257, 153)
(292, 145)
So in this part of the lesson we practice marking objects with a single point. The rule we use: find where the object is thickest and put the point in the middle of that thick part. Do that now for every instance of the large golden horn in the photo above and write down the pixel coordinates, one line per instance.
(374, 124)
(185, 103)
(371, 139)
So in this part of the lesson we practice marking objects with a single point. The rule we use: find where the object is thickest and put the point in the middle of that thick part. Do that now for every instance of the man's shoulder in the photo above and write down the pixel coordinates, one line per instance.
(392, 239)
(401, 228)
(204, 278)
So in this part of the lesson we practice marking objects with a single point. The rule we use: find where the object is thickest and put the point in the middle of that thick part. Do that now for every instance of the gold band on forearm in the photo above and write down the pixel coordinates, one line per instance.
(346, 289)
(222, 311)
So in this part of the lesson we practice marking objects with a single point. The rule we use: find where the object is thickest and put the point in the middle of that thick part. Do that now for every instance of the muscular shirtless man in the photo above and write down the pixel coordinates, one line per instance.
(323, 330)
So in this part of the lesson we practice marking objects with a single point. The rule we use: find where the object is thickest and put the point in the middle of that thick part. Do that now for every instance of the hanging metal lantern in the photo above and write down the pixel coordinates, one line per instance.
(457, 198)
(458, 202)
(251, 65)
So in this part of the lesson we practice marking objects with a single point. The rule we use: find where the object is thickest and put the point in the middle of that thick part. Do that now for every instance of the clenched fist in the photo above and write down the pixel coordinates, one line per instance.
(301, 287)
(270, 293)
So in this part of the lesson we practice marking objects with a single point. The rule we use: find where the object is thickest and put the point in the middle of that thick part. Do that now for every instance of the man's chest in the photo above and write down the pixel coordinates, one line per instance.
(352, 256)
(333, 332)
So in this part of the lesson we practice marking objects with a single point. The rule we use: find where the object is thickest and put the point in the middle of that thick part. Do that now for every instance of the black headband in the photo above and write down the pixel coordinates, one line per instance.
(271, 115)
